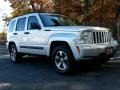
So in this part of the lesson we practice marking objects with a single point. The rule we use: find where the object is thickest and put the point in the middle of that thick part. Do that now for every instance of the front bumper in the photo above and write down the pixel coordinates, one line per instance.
(95, 51)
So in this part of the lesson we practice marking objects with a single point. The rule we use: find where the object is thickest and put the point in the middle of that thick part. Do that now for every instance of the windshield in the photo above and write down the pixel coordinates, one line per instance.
(56, 20)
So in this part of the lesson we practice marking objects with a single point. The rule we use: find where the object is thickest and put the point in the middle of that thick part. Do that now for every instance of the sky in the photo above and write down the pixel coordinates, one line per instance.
(5, 9)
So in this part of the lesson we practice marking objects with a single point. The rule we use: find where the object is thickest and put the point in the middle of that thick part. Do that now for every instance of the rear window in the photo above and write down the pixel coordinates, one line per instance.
(11, 26)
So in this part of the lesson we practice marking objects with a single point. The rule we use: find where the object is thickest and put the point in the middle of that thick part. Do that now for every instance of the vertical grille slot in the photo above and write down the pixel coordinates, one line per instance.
(101, 37)
(94, 38)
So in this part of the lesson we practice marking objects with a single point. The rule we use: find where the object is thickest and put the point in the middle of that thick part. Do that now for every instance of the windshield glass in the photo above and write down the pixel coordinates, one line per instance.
(56, 20)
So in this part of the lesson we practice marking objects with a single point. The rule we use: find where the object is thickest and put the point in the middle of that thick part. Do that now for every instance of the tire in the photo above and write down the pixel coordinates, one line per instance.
(63, 59)
(14, 55)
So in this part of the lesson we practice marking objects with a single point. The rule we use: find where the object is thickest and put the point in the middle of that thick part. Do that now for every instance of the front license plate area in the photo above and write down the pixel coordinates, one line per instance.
(109, 50)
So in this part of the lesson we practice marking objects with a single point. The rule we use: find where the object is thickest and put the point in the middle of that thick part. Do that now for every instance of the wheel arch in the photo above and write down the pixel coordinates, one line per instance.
(57, 43)
(67, 40)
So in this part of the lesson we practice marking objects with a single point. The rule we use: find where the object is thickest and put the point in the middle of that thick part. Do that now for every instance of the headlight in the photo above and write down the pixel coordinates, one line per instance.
(86, 36)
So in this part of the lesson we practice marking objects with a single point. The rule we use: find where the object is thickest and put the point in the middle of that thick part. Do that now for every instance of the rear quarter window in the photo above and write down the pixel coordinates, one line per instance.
(11, 26)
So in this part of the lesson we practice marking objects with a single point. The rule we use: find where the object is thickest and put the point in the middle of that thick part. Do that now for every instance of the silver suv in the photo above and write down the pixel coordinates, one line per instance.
(59, 38)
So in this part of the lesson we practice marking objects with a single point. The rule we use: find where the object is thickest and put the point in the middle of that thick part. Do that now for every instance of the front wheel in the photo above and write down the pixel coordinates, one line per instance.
(14, 55)
(63, 59)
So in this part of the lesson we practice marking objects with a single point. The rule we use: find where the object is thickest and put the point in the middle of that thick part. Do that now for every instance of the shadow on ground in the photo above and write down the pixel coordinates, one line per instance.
(37, 73)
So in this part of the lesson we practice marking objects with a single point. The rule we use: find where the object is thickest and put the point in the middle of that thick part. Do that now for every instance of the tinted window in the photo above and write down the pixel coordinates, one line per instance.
(33, 23)
(11, 26)
(21, 24)
(56, 20)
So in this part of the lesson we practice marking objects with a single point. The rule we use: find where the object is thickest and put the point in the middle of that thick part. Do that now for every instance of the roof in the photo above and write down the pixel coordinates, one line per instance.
(34, 14)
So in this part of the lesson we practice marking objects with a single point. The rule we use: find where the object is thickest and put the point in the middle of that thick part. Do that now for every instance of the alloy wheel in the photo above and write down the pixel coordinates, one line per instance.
(61, 60)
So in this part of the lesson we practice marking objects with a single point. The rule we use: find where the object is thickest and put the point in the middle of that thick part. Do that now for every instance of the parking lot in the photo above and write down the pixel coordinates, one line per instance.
(37, 73)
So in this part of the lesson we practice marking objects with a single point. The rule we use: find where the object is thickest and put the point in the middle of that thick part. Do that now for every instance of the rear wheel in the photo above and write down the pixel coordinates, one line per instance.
(14, 55)
(63, 59)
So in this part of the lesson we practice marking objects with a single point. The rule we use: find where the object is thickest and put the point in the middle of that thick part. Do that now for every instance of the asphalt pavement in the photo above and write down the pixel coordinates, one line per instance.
(37, 73)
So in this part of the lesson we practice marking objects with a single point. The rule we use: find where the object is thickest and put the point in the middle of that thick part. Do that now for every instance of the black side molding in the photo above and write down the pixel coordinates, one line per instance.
(47, 30)
(32, 47)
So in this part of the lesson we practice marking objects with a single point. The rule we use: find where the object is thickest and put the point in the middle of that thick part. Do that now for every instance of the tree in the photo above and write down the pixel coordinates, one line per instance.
(92, 12)
(21, 7)
(87, 12)
(2, 36)
(71, 8)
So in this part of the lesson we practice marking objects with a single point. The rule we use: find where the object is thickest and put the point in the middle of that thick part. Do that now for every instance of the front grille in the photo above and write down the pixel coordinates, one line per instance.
(101, 37)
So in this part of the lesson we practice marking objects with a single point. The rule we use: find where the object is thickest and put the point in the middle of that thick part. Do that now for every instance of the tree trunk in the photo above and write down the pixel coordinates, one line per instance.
(86, 11)
(32, 5)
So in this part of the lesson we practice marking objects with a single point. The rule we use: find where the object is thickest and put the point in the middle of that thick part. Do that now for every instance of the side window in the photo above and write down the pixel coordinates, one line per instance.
(21, 24)
(11, 26)
(33, 23)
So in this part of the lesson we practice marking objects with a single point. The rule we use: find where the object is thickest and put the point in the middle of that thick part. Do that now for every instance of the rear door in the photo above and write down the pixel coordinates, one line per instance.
(19, 32)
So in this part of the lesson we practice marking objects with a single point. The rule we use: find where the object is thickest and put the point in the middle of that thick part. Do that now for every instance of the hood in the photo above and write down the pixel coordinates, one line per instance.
(74, 28)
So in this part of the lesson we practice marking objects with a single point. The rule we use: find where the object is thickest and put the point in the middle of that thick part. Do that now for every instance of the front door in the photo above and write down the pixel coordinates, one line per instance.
(35, 41)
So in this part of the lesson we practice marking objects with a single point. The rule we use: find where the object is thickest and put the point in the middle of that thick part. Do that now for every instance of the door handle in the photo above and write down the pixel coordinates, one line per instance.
(26, 33)
(15, 33)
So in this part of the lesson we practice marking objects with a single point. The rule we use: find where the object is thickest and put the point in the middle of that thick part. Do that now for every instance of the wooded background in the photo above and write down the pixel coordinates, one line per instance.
(84, 12)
